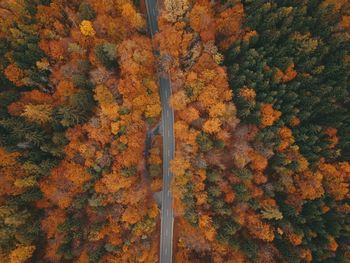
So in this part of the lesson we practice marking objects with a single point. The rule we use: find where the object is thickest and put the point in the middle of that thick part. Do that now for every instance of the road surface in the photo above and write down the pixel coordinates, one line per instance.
(167, 127)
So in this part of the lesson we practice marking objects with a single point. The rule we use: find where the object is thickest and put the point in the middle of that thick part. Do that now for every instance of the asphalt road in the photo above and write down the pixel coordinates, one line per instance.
(167, 128)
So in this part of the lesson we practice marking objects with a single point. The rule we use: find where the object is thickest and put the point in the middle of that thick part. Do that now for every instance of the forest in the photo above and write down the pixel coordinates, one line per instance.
(260, 91)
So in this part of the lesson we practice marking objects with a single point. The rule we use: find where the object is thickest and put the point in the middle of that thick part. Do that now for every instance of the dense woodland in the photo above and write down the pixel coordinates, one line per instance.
(78, 92)
(260, 90)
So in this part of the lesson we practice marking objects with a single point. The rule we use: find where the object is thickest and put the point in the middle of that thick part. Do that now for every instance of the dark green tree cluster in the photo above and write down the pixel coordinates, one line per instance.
(306, 34)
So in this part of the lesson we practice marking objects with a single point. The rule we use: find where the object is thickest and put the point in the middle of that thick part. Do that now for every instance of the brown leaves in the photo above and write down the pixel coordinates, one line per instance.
(53, 48)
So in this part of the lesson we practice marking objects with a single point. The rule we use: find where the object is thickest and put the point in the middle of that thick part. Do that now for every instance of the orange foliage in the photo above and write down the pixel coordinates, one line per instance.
(229, 25)
(247, 93)
(268, 115)
(179, 165)
(248, 35)
(287, 76)
(179, 100)
(310, 185)
(306, 254)
(258, 162)
(83, 258)
(230, 197)
(295, 121)
(332, 133)
(14, 74)
(202, 20)
(33, 97)
(286, 138)
(64, 90)
(290, 73)
(189, 114)
(21, 254)
(217, 110)
(131, 16)
(10, 171)
(131, 215)
(54, 218)
(173, 41)
(64, 182)
(53, 48)
(336, 179)
(258, 229)
(332, 245)
(294, 238)
(212, 126)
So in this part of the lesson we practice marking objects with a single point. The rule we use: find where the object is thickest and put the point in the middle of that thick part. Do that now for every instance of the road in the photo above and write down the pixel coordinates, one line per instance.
(167, 127)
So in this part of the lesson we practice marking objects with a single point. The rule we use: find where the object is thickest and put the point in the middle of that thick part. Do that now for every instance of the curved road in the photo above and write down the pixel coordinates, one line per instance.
(167, 127)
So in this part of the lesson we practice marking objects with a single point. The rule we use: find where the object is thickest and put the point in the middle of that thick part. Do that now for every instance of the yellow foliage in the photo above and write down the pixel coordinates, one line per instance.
(179, 165)
(175, 9)
(87, 29)
(179, 100)
(153, 211)
(25, 182)
(115, 126)
(153, 110)
(217, 110)
(129, 13)
(21, 254)
(103, 95)
(38, 113)
(212, 125)
(43, 64)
